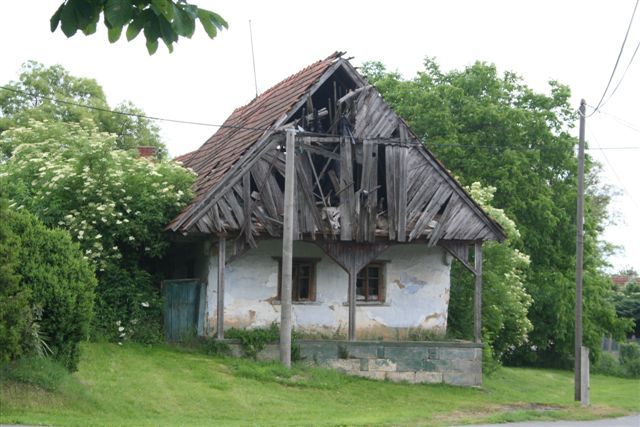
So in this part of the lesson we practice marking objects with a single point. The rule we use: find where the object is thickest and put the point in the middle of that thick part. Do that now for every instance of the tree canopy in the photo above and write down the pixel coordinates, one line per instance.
(74, 167)
(52, 93)
(494, 129)
(165, 20)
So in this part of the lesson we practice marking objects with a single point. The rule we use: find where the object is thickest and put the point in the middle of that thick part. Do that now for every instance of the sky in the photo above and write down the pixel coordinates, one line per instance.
(574, 42)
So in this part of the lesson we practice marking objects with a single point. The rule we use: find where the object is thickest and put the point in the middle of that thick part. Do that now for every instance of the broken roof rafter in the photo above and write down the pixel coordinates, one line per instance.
(232, 154)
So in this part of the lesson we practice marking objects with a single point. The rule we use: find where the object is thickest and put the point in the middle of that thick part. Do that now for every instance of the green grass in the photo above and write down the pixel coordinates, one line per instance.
(137, 385)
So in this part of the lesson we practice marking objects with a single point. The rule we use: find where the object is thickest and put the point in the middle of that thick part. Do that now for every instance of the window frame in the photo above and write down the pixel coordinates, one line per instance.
(297, 262)
(382, 288)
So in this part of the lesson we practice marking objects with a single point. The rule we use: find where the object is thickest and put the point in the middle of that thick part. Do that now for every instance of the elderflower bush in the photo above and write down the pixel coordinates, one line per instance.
(505, 301)
(113, 203)
(506, 307)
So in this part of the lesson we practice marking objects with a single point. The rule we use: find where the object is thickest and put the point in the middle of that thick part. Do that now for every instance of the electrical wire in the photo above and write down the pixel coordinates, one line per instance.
(122, 113)
(623, 75)
(613, 170)
(187, 122)
(617, 61)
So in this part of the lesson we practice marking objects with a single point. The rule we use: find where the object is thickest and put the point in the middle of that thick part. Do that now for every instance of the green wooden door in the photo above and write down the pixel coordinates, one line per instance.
(181, 308)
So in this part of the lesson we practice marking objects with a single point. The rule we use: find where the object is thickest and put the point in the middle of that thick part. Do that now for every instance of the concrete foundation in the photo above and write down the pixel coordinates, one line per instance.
(456, 363)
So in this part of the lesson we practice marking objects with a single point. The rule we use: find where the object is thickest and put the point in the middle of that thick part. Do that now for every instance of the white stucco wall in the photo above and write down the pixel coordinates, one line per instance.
(417, 292)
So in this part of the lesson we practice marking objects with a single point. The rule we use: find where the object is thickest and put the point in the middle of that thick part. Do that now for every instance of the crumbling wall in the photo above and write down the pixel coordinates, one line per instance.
(417, 292)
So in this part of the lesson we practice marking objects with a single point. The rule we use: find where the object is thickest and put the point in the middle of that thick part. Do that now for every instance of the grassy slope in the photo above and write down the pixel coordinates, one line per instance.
(134, 385)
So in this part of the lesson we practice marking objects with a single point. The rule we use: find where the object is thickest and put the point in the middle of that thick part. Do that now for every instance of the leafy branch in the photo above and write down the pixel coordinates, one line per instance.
(156, 19)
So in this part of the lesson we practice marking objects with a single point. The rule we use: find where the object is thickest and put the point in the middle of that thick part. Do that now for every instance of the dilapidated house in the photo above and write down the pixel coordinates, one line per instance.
(377, 216)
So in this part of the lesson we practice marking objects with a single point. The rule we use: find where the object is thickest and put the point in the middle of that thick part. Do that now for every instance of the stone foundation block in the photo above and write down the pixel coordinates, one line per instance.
(374, 375)
(428, 377)
(382, 365)
(345, 365)
(459, 378)
(401, 376)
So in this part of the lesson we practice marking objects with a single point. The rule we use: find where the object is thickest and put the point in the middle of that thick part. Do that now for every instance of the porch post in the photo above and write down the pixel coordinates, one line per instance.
(220, 290)
(353, 276)
(287, 251)
(477, 302)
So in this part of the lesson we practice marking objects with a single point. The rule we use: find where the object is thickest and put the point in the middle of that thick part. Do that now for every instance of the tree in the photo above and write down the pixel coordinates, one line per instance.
(627, 304)
(505, 302)
(496, 130)
(114, 204)
(51, 93)
(157, 19)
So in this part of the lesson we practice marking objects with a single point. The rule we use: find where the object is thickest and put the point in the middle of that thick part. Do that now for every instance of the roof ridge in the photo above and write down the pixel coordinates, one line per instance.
(333, 57)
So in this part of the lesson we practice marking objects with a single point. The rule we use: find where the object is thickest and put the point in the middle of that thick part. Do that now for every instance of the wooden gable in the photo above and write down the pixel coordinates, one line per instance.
(361, 175)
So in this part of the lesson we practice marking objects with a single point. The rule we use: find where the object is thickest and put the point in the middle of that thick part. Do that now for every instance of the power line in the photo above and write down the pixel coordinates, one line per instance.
(187, 122)
(613, 170)
(623, 75)
(621, 121)
(123, 113)
(617, 61)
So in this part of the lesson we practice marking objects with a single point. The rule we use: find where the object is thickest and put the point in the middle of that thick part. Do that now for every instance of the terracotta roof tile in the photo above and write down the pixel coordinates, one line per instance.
(243, 128)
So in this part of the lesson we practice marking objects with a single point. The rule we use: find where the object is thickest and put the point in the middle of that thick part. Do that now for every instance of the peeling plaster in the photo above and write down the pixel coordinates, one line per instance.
(419, 299)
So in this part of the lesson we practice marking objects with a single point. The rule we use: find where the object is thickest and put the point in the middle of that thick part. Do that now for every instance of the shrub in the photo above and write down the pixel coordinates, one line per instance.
(607, 364)
(128, 306)
(253, 341)
(40, 371)
(61, 284)
(14, 299)
(630, 359)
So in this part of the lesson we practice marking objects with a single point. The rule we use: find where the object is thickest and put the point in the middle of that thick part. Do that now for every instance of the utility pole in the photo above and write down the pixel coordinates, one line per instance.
(287, 250)
(581, 380)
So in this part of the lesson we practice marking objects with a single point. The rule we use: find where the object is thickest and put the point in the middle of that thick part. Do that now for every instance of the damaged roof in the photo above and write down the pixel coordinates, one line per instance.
(362, 174)
(246, 126)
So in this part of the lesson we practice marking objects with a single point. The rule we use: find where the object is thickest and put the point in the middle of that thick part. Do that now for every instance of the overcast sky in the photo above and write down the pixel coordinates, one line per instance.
(575, 42)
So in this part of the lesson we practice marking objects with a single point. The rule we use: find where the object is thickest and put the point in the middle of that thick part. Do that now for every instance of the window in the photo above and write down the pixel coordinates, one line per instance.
(370, 284)
(303, 280)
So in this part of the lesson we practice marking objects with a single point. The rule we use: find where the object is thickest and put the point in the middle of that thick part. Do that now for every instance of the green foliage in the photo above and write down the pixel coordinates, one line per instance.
(627, 303)
(505, 301)
(630, 359)
(15, 312)
(158, 19)
(128, 305)
(39, 371)
(494, 129)
(253, 341)
(607, 364)
(75, 168)
(31, 98)
(114, 204)
(60, 281)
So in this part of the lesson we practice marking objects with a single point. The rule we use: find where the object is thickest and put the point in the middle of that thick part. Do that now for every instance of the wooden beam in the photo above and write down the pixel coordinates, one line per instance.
(352, 257)
(477, 301)
(287, 252)
(347, 195)
(353, 278)
(222, 242)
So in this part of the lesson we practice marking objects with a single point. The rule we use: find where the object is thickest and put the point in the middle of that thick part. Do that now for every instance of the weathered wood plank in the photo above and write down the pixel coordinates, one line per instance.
(401, 194)
(452, 207)
(390, 161)
(430, 211)
(347, 196)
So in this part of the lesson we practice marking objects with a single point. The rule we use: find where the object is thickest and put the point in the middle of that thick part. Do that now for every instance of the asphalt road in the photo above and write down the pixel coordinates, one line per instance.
(631, 421)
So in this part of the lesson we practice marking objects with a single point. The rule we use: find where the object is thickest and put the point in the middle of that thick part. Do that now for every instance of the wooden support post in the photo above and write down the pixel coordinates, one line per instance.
(287, 251)
(353, 277)
(220, 290)
(477, 301)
